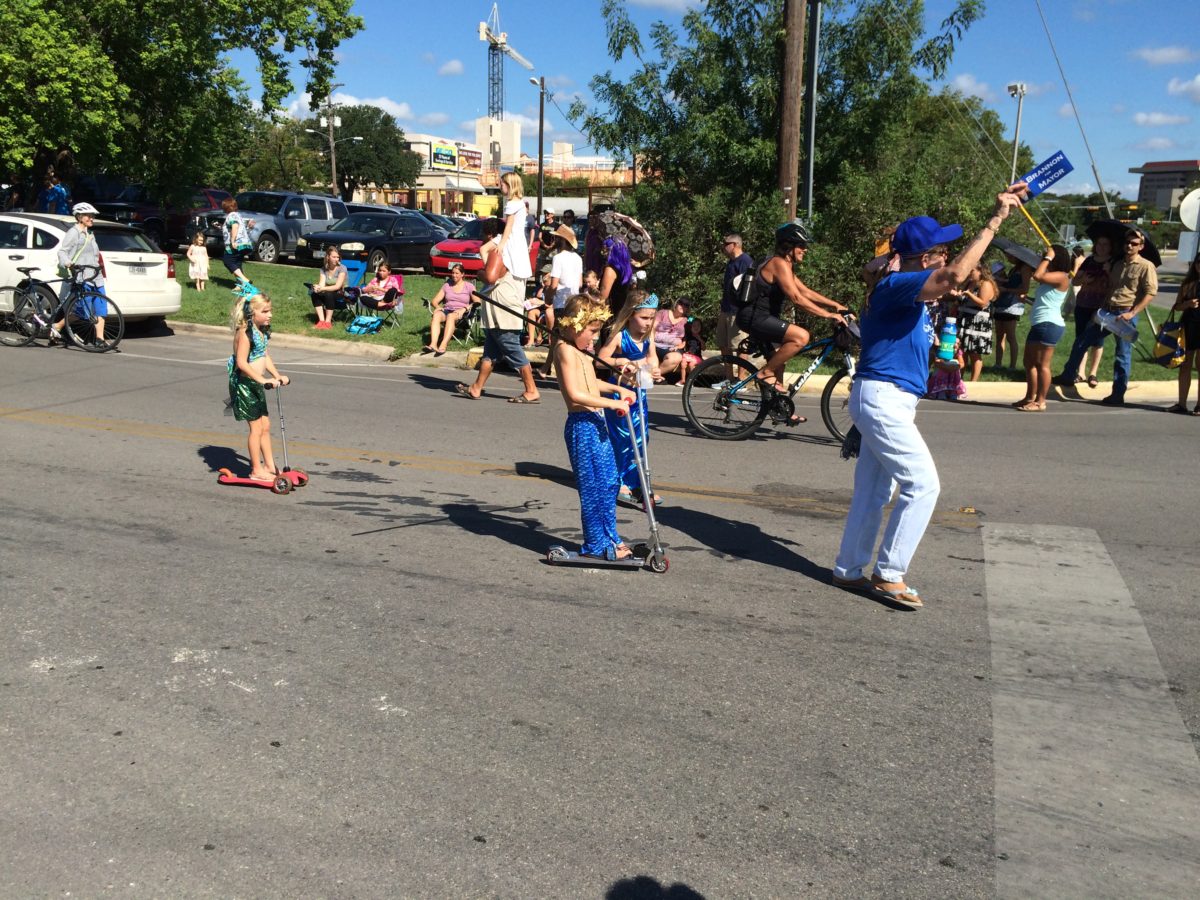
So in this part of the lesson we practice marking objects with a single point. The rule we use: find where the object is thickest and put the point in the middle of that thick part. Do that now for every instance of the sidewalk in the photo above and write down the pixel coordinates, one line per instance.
(982, 391)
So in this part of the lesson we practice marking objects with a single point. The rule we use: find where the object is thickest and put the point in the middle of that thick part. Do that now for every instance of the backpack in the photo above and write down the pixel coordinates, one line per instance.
(364, 325)
(743, 286)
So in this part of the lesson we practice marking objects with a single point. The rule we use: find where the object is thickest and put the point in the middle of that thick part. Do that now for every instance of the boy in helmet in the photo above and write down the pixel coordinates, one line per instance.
(79, 257)
(774, 282)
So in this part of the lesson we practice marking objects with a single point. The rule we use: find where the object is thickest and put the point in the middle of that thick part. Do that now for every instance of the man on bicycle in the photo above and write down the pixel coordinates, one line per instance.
(774, 282)
(79, 256)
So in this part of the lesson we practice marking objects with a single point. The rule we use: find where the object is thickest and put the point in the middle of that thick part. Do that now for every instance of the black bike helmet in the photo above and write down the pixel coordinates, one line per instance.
(792, 234)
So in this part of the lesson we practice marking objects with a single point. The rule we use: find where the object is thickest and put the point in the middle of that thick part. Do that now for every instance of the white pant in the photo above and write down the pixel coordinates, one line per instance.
(893, 451)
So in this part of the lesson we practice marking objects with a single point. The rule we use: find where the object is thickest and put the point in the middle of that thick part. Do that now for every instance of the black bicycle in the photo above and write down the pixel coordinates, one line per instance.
(28, 310)
(723, 398)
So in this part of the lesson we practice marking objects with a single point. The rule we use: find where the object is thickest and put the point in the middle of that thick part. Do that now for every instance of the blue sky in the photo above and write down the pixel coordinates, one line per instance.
(1134, 70)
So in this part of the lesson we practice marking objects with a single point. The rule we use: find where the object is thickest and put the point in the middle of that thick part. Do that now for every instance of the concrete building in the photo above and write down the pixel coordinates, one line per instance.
(500, 140)
(1161, 180)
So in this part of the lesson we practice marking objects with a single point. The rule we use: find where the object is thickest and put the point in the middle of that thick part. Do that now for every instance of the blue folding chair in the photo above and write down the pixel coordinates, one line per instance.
(365, 305)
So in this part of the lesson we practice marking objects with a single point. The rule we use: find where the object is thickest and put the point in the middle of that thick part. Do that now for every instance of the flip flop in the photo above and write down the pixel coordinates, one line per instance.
(465, 391)
(905, 596)
(1092, 381)
(523, 400)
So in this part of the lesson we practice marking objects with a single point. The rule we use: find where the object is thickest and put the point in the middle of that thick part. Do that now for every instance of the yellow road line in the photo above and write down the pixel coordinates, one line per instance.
(773, 501)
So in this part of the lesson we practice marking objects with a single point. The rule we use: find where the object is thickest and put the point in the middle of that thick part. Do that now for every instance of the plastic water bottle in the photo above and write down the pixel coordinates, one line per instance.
(1124, 330)
(644, 378)
(949, 338)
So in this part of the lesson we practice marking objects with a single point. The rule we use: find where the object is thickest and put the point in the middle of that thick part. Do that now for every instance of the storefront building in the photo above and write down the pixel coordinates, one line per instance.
(449, 179)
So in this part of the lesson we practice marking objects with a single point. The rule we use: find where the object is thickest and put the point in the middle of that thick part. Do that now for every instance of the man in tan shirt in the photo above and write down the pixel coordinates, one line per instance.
(1132, 284)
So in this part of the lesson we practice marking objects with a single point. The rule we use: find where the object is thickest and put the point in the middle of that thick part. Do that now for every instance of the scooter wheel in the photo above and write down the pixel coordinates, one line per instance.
(556, 554)
(281, 485)
(658, 564)
(301, 477)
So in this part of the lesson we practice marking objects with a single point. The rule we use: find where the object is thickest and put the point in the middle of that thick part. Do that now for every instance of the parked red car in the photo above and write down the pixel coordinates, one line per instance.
(462, 247)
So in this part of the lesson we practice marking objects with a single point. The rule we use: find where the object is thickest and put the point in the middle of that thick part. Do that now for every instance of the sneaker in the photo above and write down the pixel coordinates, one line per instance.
(722, 385)
(100, 345)
(1113, 400)
(55, 336)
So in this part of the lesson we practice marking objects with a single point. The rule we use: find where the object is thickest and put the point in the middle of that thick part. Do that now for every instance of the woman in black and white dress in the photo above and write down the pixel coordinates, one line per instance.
(975, 318)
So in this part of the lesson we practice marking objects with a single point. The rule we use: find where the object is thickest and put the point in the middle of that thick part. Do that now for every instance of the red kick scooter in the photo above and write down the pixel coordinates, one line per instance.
(287, 478)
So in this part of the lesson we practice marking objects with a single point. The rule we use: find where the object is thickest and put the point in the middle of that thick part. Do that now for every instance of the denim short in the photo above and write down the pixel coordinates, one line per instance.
(1046, 333)
(506, 345)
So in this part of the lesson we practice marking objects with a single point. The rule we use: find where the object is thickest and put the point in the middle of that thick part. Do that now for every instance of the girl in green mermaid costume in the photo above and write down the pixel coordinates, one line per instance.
(251, 371)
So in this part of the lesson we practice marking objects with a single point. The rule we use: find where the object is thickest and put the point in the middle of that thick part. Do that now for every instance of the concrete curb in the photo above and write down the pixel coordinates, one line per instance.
(985, 391)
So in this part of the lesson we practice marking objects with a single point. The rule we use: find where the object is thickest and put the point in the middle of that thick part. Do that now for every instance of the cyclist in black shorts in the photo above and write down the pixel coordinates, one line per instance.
(774, 282)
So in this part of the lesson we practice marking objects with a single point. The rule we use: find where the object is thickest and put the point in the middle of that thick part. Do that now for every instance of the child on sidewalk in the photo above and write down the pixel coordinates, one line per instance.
(197, 254)
(587, 438)
(693, 349)
(250, 371)
(629, 351)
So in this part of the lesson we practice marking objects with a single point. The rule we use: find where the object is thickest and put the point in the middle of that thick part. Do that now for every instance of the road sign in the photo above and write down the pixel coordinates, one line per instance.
(1047, 173)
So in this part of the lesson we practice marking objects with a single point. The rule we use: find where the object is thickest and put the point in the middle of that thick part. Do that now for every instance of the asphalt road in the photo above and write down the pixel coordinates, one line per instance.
(375, 687)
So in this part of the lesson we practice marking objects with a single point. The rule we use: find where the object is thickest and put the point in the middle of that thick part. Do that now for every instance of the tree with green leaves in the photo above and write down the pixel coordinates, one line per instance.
(701, 114)
(382, 156)
(145, 87)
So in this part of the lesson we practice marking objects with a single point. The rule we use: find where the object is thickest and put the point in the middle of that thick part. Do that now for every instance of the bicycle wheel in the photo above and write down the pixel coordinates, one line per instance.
(717, 402)
(81, 322)
(835, 404)
(23, 313)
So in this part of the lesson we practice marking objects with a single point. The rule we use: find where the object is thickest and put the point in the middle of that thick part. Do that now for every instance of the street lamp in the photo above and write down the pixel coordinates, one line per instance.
(540, 84)
(333, 184)
(1017, 89)
(458, 145)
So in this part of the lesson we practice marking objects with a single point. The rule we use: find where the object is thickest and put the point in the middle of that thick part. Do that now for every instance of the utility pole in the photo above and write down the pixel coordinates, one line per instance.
(790, 99)
(812, 63)
(333, 182)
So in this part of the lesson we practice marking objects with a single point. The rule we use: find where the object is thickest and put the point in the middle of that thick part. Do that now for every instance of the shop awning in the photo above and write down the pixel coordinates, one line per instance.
(464, 183)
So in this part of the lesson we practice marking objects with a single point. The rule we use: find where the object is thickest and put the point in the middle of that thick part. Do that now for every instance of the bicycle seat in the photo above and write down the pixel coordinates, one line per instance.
(25, 270)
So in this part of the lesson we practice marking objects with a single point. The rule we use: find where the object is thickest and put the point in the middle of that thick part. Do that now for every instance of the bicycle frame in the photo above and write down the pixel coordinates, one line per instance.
(826, 347)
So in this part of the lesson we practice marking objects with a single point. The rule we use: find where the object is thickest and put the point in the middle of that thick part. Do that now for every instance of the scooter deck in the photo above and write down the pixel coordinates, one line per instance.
(281, 484)
(561, 556)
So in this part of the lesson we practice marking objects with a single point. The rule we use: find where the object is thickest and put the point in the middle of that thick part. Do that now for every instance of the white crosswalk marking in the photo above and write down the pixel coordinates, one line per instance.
(1097, 782)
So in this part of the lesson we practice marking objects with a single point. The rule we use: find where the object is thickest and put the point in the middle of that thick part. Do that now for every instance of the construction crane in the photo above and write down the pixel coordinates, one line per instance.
(498, 48)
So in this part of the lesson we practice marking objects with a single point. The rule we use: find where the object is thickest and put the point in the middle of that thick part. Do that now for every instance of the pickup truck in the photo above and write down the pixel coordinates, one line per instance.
(279, 219)
(167, 227)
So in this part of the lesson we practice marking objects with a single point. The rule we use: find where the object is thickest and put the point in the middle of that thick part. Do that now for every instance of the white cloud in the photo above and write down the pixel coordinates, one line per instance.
(1155, 143)
(1177, 87)
(968, 84)
(428, 58)
(1038, 90)
(1065, 111)
(1119, 109)
(451, 67)
(1155, 119)
(435, 118)
(298, 108)
(1165, 56)
(526, 122)
(560, 81)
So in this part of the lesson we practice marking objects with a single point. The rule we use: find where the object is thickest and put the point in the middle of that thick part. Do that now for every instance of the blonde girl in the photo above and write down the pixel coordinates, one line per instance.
(197, 254)
(513, 246)
(251, 371)
(629, 350)
(589, 444)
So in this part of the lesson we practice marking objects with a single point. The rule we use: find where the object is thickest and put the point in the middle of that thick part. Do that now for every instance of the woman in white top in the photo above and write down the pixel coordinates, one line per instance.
(513, 247)
(566, 280)
(1053, 276)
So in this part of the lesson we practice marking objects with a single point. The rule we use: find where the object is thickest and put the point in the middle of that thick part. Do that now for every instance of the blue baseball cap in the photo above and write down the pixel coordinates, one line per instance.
(922, 233)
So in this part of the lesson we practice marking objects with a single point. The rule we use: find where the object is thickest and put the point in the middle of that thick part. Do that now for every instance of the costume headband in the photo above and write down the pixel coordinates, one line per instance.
(651, 302)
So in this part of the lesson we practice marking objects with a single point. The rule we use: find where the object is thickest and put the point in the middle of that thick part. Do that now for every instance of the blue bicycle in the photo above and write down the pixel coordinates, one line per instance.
(724, 400)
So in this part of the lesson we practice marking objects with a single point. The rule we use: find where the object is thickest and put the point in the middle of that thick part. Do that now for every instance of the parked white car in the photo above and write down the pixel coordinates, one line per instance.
(138, 277)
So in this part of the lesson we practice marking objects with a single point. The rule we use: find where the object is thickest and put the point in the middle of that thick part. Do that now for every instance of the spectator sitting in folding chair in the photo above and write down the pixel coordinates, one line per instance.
(449, 304)
(383, 295)
(329, 291)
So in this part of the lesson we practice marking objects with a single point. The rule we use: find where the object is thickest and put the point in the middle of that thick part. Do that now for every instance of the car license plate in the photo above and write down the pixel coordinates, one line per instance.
(137, 270)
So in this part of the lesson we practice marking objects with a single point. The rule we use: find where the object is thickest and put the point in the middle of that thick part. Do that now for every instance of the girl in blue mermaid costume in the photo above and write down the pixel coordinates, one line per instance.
(588, 443)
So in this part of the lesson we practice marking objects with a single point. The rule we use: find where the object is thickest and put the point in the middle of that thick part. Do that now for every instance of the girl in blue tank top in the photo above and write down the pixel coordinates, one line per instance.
(630, 351)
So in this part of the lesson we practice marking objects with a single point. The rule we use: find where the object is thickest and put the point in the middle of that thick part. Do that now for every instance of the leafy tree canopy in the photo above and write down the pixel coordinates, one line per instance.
(701, 114)
(144, 87)
(380, 158)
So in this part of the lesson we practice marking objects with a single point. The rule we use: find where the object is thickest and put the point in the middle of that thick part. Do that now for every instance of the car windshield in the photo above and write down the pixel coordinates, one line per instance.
(370, 223)
(122, 240)
(255, 201)
(472, 231)
(443, 222)
(134, 193)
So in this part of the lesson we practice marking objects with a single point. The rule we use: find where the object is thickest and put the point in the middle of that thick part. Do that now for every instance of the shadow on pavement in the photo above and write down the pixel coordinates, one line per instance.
(643, 887)
(217, 458)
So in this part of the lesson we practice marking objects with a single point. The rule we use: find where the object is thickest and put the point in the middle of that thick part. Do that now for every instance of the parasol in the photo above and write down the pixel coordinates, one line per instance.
(618, 225)
(1116, 232)
(1017, 251)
